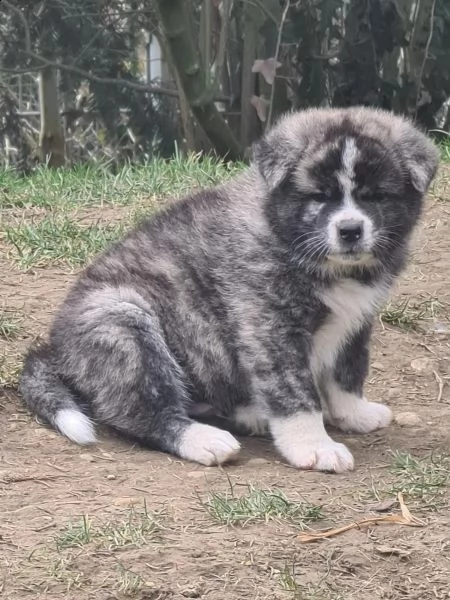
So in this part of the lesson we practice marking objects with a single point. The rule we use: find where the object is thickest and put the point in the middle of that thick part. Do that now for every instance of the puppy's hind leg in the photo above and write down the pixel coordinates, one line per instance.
(135, 384)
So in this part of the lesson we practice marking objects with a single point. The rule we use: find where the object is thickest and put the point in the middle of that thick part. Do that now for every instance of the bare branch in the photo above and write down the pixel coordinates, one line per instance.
(134, 85)
(277, 52)
(223, 39)
(44, 62)
(18, 71)
(425, 57)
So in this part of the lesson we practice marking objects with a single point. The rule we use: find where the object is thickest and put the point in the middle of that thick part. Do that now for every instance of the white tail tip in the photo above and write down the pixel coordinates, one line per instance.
(76, 426)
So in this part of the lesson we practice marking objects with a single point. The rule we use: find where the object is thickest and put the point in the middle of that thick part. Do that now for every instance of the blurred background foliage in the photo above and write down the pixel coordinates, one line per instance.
(112, 81)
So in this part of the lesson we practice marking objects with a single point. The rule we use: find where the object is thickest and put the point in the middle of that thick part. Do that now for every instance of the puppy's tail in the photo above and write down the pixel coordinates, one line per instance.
(47, 396)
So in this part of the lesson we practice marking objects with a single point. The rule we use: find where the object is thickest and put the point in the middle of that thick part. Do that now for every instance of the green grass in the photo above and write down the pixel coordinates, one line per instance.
(10, 324)
(305, 591)
(444, 146)
(133, 531)
(408, 315)
(136, 529)
(103, 544)
(75, 535)
(440, 188)
(61, 570)
(58, 240)
(128, 582)
(96, 185)
(260, 505)
(10, 368)
(423, 479)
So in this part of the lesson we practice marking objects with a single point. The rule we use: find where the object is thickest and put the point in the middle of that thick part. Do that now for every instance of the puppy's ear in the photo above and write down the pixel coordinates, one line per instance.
(275, 159)
(420, 155)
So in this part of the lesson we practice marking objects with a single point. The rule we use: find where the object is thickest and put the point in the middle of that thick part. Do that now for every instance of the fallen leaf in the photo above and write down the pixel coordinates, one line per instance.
(261, 105)
(393, 551)
(267, 67)
(405, 518)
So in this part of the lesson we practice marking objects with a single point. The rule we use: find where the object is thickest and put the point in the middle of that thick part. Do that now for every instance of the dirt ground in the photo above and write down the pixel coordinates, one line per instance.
(48, 485)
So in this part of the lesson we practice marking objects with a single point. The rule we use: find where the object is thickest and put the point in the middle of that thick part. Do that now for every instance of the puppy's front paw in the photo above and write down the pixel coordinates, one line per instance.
(305, 444)
(321, 455)
(363, 417)
(208, 445)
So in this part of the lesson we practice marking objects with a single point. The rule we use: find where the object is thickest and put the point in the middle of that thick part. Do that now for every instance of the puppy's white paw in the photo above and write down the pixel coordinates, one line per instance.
(350, 412)
(321, 455)
(363, 417)
(208, 445)
(305, 444)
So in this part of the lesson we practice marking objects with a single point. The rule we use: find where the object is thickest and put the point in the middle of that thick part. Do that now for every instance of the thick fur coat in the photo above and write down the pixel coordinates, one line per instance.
(254, 300)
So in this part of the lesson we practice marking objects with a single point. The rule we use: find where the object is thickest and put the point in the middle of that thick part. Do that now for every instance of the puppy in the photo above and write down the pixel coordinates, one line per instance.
(255, 298)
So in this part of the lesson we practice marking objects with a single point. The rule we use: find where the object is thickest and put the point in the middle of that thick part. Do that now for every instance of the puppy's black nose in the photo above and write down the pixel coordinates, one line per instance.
(350, 231)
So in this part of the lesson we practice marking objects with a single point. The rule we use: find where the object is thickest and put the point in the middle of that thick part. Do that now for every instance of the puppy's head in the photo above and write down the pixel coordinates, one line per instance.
(345, 187)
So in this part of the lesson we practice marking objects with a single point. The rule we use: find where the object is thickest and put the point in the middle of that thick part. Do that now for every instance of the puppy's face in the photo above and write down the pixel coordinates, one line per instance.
(352, 194)
(352, 202)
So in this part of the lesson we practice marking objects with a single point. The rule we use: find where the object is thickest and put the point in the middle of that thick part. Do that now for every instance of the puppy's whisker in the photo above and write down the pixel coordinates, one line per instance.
(308, 245)
(307, 238)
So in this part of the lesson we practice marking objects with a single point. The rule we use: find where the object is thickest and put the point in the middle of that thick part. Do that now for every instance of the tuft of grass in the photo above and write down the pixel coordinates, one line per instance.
(99, 185)
(408, 315)
(424, 479)
(10, 324)
(10, 368)
(59, 241)
(75, 535)
(135, 530)
(287, 579)
(440, 188)
(444, 146)
(61, 570)
(308, 591)
(260, 505)
(128, 582)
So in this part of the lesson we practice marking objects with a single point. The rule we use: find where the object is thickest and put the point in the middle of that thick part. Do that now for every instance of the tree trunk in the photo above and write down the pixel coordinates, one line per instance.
(51, 138)
(277, 92)
(416, 54)
(248, 114)
(176, 26)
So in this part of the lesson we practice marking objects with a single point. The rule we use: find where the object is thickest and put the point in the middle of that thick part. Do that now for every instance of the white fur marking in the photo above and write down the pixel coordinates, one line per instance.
(76, 426)
(303, 441)
(349, 210)
(351, 303)
(207, 445)
(349, 157)
(349, 412)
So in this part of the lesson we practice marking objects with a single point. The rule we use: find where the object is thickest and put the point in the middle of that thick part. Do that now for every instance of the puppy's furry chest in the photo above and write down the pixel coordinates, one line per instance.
(350, 305)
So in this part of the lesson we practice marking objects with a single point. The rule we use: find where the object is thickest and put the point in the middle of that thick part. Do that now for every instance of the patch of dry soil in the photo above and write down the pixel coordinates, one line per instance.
(45, 482)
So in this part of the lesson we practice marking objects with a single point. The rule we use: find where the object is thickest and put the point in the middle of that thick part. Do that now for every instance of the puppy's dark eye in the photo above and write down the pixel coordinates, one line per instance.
(373, 196)
(321, 197)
